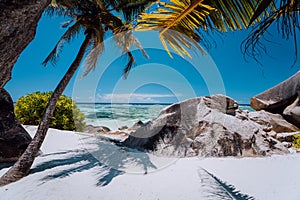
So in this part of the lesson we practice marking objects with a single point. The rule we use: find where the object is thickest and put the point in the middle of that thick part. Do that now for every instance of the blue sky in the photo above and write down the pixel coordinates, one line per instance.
(157, 79)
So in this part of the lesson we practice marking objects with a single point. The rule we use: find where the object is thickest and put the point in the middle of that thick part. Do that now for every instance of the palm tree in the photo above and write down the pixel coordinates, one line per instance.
(96, 18)
(194, 18)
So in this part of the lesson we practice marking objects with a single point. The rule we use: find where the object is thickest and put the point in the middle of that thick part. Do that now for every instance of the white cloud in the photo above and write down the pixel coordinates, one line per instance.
(135, 97)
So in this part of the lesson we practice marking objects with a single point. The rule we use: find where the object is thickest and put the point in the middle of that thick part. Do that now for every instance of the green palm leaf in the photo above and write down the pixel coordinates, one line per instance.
(188, 16)
(181, 16)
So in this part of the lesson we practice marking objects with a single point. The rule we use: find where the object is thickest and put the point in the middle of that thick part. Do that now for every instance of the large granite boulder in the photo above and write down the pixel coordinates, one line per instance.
(276, 99)
(205, 126)
(13, 137)
(292, 112)
(282, 99)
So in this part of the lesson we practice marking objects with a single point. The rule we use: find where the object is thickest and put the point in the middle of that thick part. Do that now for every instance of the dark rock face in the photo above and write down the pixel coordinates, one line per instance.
(206, 126)
(281, 99)
(13, 137)
(292, 112)
(19, 20)
(276, 99)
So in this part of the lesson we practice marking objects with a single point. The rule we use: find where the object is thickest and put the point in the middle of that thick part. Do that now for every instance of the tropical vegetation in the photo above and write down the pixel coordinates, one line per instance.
(29, 110)
(296, 140)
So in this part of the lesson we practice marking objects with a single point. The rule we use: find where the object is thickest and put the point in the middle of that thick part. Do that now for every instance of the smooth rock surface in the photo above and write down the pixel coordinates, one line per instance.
(292, 112)
(205, 126)
(276, 99)
(13, 137)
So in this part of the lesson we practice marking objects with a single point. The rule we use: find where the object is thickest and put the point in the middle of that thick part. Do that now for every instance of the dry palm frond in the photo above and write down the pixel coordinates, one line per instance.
(129, 65)
(126, 40)
(97, 47)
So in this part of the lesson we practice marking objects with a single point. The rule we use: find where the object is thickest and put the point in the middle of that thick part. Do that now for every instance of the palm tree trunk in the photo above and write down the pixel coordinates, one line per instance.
(21, 168)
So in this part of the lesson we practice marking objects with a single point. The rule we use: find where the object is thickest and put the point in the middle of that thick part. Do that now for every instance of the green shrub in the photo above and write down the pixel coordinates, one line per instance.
(296, 142)
(67, 116)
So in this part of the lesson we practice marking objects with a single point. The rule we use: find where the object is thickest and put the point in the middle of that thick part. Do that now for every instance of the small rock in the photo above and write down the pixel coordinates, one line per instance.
(96, 129)
(286, 137)
(272, 134)
(136, 125)
(123, 128)
(287, 144)
(268, 129)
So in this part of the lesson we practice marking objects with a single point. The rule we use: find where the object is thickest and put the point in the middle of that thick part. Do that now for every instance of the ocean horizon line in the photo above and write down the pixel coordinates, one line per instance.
(140, 103)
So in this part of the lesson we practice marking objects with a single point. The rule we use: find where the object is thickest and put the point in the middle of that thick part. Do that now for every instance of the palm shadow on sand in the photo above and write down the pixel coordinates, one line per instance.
(108, 160)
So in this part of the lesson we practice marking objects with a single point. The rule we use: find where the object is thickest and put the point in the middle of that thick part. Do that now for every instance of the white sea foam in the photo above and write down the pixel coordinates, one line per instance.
(115, 116)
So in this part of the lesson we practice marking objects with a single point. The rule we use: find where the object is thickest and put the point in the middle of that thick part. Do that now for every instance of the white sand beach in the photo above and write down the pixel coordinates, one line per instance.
(71, 167)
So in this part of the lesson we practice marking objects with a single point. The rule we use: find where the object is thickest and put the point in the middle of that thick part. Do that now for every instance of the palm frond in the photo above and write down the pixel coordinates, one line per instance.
(181, 16)
(231, 15)
(126, 40)
(131, 8)
(96, 17)
(129, 65)
(189, 15)
(97, 47)
(71, 33)
(60, 11)
(286, 17)
(262, 7)
(111, 3)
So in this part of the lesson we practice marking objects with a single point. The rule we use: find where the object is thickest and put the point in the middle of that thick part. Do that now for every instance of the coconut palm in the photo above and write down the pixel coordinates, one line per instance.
(96, 18)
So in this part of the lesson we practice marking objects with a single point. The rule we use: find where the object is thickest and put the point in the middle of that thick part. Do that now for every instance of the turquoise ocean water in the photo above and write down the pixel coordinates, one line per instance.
(118, 115)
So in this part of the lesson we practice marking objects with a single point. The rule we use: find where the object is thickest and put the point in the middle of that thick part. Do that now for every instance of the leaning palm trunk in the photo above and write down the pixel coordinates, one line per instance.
(21, 168)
